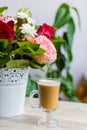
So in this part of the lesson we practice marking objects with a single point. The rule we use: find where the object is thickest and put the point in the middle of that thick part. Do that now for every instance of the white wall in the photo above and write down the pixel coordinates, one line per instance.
(44, 11)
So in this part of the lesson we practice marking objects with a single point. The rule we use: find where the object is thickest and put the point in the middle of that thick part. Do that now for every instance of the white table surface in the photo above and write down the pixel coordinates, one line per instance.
(71, 116)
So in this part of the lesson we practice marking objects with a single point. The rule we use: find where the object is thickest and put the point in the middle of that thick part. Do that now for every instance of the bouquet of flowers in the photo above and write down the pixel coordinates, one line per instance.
(23, 43)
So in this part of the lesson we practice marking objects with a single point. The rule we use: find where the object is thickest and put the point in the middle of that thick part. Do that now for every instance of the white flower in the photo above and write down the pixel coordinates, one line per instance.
(28, 29)
(22, 15)
(31, 21)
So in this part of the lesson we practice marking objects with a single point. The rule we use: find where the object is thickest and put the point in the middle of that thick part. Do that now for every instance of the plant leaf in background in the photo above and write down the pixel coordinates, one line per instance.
(57, 42)
(70, 31)
(62, 16)
(60, 62)
(31, 84)
(78, 16)
(3, 9)
(69, 89)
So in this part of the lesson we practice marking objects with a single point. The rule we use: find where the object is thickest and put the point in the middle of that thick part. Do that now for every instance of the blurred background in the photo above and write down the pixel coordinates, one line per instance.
(44, 11)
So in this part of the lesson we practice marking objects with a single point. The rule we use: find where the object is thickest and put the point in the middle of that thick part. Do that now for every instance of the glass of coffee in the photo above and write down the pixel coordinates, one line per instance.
(48, 90)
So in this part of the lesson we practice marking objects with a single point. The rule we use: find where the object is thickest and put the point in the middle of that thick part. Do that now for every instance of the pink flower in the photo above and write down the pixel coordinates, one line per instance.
(6, 19)
(50, 54)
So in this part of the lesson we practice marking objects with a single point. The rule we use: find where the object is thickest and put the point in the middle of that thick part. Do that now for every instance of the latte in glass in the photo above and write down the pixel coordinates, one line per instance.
(49, 93)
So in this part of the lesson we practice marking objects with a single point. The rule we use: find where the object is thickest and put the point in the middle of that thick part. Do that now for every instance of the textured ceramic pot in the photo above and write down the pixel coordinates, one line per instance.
(12, 91)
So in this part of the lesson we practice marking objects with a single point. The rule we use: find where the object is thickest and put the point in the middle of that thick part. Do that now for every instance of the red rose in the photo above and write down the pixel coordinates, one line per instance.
(6, 30)
(46, 30)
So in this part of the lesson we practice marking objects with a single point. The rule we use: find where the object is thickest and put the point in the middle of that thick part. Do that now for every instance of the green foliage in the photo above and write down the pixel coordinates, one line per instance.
(63, 18)
(21, 53)
(5, 50)
(63, 44)
(3, 9)
(78, 16)
(17, 64)
(28, 49)
(31, 84)
(25, 10)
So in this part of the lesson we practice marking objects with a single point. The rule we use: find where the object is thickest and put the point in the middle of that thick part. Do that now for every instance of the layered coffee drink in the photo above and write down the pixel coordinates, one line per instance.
(49, 93)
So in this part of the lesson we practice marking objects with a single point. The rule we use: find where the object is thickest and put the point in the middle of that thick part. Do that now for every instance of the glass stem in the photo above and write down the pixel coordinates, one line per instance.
(49, 116)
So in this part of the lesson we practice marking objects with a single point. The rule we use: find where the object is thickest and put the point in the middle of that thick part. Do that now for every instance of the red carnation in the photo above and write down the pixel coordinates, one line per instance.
(6, 30)
(46, 30)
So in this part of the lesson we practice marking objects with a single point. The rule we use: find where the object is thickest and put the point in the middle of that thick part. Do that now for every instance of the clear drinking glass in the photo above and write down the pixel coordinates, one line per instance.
(48, 91)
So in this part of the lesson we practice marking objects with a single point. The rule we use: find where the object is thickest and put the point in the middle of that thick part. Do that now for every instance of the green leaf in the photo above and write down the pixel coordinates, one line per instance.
(3, 45)
(29, 48)
(3, 60)
(67, 65)
(69, 77)
(78, 16)
(69, 56)
(68, 48)
(3, 9)
(58, 42)
(40, 51)
(18, 51)
(28, 44)
(60, 62)
(5, 48)
(25, 10)
(37, 66)
(62, 16)
(67, 87)
(70, 31)
(31, 85)
(75, 99)
(18, 63)
(35, 47)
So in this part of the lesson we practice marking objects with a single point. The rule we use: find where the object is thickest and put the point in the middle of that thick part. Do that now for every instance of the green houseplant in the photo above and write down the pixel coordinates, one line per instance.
(63, 44)
(64, 18)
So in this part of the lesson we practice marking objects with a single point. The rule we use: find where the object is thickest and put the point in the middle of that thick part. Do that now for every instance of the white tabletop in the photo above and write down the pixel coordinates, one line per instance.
(71, 116)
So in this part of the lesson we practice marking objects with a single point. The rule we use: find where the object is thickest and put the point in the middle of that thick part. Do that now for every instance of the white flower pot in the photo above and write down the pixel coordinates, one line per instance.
(12, 91)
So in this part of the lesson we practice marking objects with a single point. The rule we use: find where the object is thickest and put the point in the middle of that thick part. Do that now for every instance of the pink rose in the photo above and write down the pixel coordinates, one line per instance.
(46, 30)
(50, 55)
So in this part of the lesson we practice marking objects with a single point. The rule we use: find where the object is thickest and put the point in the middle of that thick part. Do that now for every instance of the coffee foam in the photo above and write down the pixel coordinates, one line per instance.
(49, 82)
